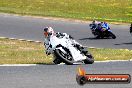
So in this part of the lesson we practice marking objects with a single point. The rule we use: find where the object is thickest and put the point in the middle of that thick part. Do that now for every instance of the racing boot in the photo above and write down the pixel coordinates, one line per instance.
(85, 51)
(81, 49)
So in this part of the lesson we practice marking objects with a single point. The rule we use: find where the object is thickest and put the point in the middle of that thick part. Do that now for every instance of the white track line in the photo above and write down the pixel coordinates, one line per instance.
(21, 39)
(18, 65)
(107, 61)
(113, 61)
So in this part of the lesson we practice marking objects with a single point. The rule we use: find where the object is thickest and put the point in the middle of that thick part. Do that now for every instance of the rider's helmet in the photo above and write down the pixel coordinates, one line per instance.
(94, 22)
(48, 31)
(105, 22)
(101, 23)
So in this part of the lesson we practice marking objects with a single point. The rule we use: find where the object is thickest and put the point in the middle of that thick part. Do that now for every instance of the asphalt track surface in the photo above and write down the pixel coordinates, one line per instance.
(60, 76)
(32, 29)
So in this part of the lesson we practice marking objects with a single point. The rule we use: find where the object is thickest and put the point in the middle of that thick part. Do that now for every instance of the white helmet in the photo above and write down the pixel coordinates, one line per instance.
(48, 31)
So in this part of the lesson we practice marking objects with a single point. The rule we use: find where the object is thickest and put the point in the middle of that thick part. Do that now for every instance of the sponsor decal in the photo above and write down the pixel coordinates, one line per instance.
(83, 78)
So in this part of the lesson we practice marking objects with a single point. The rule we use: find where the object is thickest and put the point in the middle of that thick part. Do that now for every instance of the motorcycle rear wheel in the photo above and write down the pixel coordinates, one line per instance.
(89, 59)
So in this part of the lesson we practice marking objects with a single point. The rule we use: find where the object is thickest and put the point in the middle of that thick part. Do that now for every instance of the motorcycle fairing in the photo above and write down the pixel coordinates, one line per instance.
(76, 54)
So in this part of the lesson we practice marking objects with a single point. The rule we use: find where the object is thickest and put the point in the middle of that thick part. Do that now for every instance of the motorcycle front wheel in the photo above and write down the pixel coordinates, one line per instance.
(65, 57)
(112, 35)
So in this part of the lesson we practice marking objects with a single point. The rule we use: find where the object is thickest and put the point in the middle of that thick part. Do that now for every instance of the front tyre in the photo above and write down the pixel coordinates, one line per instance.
(131, 32)
(112, 35)
(57, 61)
(97, 37)
(65, 57)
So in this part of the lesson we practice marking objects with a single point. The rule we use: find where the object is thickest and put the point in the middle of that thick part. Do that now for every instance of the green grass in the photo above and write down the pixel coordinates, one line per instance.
(22, 52)
(111, 54)
(109, 10)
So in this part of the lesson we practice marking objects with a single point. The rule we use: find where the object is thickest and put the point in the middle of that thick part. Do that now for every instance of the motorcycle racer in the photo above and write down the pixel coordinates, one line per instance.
(49, 32)
(101, 30)
(100, 26)
(105, 26)
(94, 24)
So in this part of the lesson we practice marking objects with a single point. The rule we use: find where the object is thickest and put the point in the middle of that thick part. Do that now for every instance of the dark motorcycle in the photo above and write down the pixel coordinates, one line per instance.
(131, 29)
(101, 34)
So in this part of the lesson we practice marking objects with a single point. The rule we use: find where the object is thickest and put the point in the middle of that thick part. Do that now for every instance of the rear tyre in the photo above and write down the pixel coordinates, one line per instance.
(89, 59)
(65, 57)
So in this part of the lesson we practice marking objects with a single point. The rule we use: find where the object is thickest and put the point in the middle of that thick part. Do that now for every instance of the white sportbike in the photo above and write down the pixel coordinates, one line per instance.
(65, 51)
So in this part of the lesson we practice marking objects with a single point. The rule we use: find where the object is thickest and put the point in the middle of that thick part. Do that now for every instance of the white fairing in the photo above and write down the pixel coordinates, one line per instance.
(77, 56)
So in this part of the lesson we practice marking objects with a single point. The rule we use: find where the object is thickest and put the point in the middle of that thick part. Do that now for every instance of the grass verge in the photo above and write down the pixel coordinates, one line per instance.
(23, 52)
(111, 54)
(109, 10)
